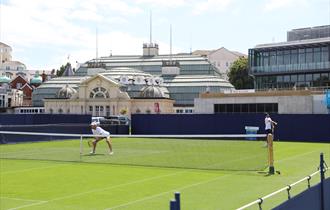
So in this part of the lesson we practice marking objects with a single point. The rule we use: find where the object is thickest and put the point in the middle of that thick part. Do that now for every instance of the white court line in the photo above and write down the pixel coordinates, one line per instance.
(295, 156)
(163, 193)
(31, 169)
(21, 199)
(28, 205)
(61, 150)
(97, 190)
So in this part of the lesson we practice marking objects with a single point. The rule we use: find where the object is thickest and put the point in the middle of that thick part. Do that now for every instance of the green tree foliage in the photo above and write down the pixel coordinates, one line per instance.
(62, 69)
(239, 75)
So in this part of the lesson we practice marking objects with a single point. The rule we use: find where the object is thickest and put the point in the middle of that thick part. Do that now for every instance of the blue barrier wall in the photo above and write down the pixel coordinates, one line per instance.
(309, 199)
(49, 123)
(291, 127)
(33, 119)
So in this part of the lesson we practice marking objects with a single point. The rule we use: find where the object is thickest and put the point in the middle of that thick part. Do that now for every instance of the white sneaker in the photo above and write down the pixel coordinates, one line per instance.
(110, 153)
(92, 153)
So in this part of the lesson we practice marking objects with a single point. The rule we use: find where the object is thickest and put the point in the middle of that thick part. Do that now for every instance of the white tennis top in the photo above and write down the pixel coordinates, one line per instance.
(268, 123)
(100, 131)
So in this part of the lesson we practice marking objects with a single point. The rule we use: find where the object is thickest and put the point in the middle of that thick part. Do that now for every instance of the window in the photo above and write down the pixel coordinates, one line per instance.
(309, 55)
(325, 54)
(286, 78)
(261, 108)
(317, 54)
(246, 108)
(279, 57)
(99, 95)
(272, 60)
(294, 78)
(294, 56)
(286, 57)
(301, 77)
(302, 56)
(99, 92)
(107, 110)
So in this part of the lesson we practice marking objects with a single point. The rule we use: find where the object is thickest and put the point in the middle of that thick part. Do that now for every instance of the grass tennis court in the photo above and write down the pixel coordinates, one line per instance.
(50, 181)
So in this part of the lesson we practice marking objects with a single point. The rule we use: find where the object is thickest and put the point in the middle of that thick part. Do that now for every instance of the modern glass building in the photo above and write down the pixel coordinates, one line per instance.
(301, 63)
(308, 33)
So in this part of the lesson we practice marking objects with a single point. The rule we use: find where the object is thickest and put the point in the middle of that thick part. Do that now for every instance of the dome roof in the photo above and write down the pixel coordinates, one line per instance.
(66, 92)
(37, 79)
(4, 79)
(152, 92)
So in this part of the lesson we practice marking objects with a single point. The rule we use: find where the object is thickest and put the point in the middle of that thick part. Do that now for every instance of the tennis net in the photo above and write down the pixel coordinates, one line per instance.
(218, 152)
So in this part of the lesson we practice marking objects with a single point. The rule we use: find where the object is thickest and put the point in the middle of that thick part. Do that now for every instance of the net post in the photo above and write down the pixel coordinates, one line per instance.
(81, 146)
(270, 154)
(173, 205)
(322, 180)
(177, 199)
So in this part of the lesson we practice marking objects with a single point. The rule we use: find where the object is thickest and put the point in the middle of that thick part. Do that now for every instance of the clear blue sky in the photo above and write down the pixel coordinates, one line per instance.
(44, 33)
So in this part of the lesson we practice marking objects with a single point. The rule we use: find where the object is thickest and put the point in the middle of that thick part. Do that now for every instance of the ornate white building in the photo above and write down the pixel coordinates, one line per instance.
(100, 95)
(6, 59)
(12, 69)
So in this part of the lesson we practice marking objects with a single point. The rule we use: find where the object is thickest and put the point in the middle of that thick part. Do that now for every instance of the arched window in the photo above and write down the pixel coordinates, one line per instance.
(60, 111)
(99, 92)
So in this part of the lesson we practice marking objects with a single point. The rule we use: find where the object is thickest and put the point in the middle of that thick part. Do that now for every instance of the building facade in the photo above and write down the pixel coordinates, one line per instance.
(308, 33)
(102, 96)
(6, 60)
(221, 58)
(13, 69)
(9, 98)
(20, 83)
(250, 101)
(299, 63)
(182, 76)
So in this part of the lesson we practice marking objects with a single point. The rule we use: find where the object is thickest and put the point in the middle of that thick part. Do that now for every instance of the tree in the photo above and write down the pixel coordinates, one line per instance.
(239, 74)
(62, 69)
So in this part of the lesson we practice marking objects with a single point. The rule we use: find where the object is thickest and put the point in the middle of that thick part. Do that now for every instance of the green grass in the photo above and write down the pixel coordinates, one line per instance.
(91, 184)
(183, 153)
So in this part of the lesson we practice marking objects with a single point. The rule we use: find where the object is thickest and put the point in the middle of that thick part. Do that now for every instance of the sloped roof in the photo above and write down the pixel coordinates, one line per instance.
(239, 53)
(202, 52)
(68, 71)
(4, 45)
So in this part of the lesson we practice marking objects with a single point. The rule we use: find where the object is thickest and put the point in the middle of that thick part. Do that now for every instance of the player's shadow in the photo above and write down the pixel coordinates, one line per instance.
(93, 155)
(266, 173)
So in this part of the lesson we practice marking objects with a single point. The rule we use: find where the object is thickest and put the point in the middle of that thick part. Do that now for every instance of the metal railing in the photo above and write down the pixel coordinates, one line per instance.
(261, 200)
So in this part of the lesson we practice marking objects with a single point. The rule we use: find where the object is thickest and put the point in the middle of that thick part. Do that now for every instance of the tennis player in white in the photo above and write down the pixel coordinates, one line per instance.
(269, 124)
(99, 131)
